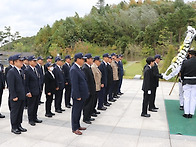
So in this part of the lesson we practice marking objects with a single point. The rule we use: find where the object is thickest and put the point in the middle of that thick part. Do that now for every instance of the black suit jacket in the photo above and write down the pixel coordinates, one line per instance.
(66, 70)
(50, 83)
(6, 71)
(41, 74)
(109, 75)
(79, 87)
(188, 70)
(16, 84)
(32, 82)
(59, 75)
(89, 78)
(103, 69)
(147, 81)
(156, 75)
(2, 77)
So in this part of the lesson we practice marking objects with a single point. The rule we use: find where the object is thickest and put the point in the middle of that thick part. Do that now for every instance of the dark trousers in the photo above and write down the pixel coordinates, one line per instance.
(49, 99)
(105, 99)
(67, 94)
(88, 107)
(115, 87)
(95, 102)
(76, 114)
(1, 93)
(58, 99)
(109, 91)
(101, 97)
(16, 113)
(152, 100)
(32, 104)
(25, 101)
(120, 84)
(146, 99)
(40, 95)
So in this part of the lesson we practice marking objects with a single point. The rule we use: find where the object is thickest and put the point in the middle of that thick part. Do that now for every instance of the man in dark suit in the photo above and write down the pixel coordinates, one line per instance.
(121, 71)
(15, 80)
(50, 88)
(147, 86)
(25, 63)
(88, 105)
(48, 59)
(79, 92)
(102, 93)
(156, 76)
(59, 75)
(66, 69)
(33, 90)
(10, 59)
(110, 80)
(2, 85)
(41, 73)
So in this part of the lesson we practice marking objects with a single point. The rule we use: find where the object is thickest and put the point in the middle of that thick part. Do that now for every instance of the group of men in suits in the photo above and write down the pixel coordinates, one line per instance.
(150, 84)
(93, 81)
(88, 81)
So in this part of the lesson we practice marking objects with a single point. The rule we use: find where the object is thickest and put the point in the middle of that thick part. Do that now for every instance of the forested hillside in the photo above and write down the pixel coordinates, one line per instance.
(136, 29)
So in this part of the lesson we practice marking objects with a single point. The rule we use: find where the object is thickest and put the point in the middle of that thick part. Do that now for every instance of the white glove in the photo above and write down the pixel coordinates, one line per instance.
(149, 91)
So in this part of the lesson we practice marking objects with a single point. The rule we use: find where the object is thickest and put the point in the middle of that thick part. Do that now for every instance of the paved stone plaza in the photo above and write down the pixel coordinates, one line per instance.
(120, 126)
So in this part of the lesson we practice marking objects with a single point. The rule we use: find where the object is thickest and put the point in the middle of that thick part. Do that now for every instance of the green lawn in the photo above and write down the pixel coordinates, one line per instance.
(132, 69)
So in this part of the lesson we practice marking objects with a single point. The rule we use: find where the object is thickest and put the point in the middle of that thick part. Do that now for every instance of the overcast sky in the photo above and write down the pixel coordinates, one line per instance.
(28, 16)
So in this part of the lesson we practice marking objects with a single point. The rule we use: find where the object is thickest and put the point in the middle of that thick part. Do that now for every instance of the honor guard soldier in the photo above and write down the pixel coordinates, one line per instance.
(59, 75)
(41, 74)
(25, 63)
(33, 90)
(50, 88)
(66, 69)
(79, 92)
(147, 86)
(15, 80)
(97, 76)
(188, 75)
(88, 105)
(2, 85)
(103, 95)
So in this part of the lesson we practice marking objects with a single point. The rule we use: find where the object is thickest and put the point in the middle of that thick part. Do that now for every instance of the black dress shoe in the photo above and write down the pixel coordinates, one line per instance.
(112, 100)
(190, 116)
(41, 102)
(68, 106)
(58, 111)
(22, 129)
(38, 121)
(52, 113)
(48, 115)
(185, 115)
(15, 131)
(145, 115)
(91, 119)
(107, 104)
(116, 96)
(120, 93)
(156, 108)
(102, 108)
(94, 115)
(62, 109)
(2, 116)
(181, 107)
(97, 112)
(153, 110)
(87, 121)
(32, 123)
